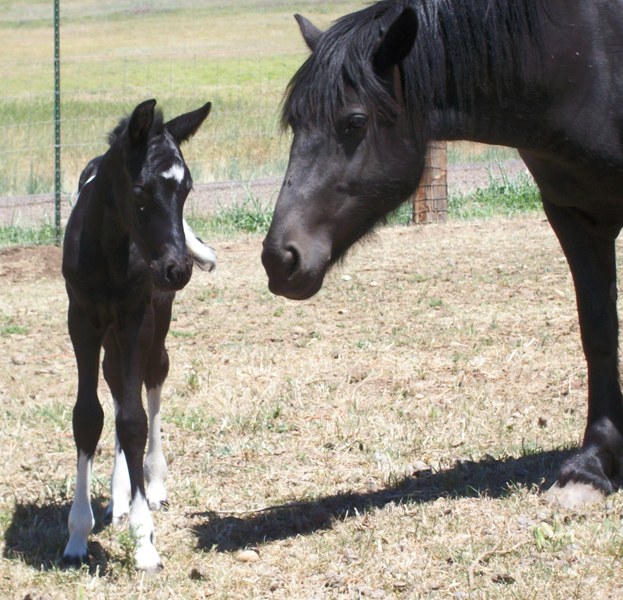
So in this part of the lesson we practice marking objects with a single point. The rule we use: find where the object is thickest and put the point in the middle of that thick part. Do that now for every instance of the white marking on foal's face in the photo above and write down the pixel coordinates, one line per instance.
(175, 171)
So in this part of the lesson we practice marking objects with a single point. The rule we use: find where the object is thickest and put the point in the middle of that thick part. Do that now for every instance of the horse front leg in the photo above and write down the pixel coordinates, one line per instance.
(155, 375)
(131, 423)
(588, 474)
(118, 508)
(87, 421)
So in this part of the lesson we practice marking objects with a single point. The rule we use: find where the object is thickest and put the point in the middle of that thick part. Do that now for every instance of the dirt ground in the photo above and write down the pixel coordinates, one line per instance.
(388, 438)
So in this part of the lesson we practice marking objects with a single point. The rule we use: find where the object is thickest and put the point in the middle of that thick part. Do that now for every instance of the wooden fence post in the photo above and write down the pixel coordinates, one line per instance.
(430, 201)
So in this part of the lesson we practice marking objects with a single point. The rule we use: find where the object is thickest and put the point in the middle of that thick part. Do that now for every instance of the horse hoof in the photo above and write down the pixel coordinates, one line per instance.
(573, 495)
(148, 560)
(160, 505)
(73, 562)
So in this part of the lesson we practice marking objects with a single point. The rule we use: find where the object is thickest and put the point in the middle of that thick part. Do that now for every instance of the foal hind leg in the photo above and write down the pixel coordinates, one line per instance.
(155, 375)
(588, 474)
(87, 421)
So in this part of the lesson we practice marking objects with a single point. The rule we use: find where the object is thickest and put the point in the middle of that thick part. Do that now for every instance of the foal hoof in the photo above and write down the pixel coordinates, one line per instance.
(148, 560)
(74, 562)
(573, 495)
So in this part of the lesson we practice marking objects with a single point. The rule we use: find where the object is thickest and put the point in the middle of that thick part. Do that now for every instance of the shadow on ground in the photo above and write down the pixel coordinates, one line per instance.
(493, 478)
(38, 533)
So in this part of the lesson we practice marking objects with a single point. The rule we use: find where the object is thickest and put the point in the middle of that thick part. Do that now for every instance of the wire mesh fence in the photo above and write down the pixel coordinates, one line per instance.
(117, 53)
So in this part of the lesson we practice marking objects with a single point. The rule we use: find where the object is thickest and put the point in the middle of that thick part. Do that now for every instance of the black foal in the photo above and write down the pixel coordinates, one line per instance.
(124, 256)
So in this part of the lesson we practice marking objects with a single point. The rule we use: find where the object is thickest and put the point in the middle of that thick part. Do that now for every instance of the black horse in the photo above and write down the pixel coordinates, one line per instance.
(124, 256)
(538, 75)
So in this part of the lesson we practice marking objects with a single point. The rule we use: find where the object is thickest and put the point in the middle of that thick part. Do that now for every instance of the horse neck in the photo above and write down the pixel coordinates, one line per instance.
(103, 222)
(495, 103)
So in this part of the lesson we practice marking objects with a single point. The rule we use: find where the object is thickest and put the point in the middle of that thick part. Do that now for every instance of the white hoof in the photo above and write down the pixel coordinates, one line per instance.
(573, 495)
(147, 558)
(156, 495)
(118, 516)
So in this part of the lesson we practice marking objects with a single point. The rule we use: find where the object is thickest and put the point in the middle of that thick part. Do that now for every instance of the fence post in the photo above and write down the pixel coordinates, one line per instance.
(57, 123)
(430, 201)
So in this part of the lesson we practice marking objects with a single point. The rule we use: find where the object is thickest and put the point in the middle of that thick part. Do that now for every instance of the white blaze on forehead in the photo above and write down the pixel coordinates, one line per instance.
(175, 171)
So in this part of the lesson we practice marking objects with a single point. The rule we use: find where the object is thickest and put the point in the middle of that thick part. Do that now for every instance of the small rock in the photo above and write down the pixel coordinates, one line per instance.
(248, 556)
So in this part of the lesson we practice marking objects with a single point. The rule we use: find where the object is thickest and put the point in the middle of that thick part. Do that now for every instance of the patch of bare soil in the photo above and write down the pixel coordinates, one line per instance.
(387, 438)
(29, 263)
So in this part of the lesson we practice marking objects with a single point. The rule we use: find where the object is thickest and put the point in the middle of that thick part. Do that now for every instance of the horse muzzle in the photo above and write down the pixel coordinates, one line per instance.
(172, 271)
(292, 272)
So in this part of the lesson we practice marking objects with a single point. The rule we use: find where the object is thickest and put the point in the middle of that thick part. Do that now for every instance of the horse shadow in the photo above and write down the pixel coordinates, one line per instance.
(490, 477)
(38, 532)
(37, 535)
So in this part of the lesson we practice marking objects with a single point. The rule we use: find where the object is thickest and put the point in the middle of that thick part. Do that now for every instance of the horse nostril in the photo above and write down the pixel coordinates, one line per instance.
(292, 259)
(170, 272)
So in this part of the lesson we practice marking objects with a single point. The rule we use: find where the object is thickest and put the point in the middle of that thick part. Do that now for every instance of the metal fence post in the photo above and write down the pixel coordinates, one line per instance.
(57, 124)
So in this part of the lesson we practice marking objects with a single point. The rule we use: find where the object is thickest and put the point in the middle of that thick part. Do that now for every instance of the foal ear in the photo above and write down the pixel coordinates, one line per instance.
(309, 31)
(397, 42)
(140, 121)
(182, 128)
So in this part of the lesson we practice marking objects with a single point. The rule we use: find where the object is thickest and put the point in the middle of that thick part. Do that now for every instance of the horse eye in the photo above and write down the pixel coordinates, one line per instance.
(356, 121)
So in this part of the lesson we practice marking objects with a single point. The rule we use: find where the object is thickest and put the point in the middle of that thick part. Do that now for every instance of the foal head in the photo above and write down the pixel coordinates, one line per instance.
(151, 183)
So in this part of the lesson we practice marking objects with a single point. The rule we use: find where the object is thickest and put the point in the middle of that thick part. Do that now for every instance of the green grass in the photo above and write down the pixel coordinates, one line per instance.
(37, 235)
(114, 54)
(506, 197)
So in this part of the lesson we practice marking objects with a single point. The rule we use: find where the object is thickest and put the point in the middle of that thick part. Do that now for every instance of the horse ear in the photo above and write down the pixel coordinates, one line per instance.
(182, 128)
(309, 31)
(140, 121)
(397, 42)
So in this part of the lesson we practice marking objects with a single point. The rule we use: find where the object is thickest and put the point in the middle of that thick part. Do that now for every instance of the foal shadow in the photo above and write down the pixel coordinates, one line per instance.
(38, 533)
(494, 478)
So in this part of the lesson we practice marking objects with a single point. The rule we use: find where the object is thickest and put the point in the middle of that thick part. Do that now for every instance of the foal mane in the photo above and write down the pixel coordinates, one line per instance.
(157, 127)
(461, 46)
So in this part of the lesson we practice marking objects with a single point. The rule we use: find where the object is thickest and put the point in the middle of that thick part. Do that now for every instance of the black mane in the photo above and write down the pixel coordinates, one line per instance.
(156, 127)
(461, 46)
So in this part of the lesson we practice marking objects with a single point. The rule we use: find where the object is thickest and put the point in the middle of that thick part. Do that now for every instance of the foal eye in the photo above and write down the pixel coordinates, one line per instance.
(141, 198)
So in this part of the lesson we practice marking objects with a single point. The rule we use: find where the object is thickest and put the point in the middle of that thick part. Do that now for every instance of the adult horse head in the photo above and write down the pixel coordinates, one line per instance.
(534, 75)
(354, 157)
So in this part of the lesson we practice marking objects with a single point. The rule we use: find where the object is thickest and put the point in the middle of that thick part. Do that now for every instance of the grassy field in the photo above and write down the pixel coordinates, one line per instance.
(388, 438)
(115, 54)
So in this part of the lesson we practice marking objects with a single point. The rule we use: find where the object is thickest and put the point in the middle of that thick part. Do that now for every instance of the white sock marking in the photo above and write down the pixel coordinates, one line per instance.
(81, 519)
(147, 558)
(155, 463)
(120, 489)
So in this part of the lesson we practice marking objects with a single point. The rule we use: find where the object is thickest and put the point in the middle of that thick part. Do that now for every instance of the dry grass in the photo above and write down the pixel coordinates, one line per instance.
(386, 439)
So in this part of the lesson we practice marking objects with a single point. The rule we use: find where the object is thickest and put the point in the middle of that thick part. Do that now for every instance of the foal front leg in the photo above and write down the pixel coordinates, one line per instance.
(155, 464)
(155, 376)
(88, 420)
(131, 424)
